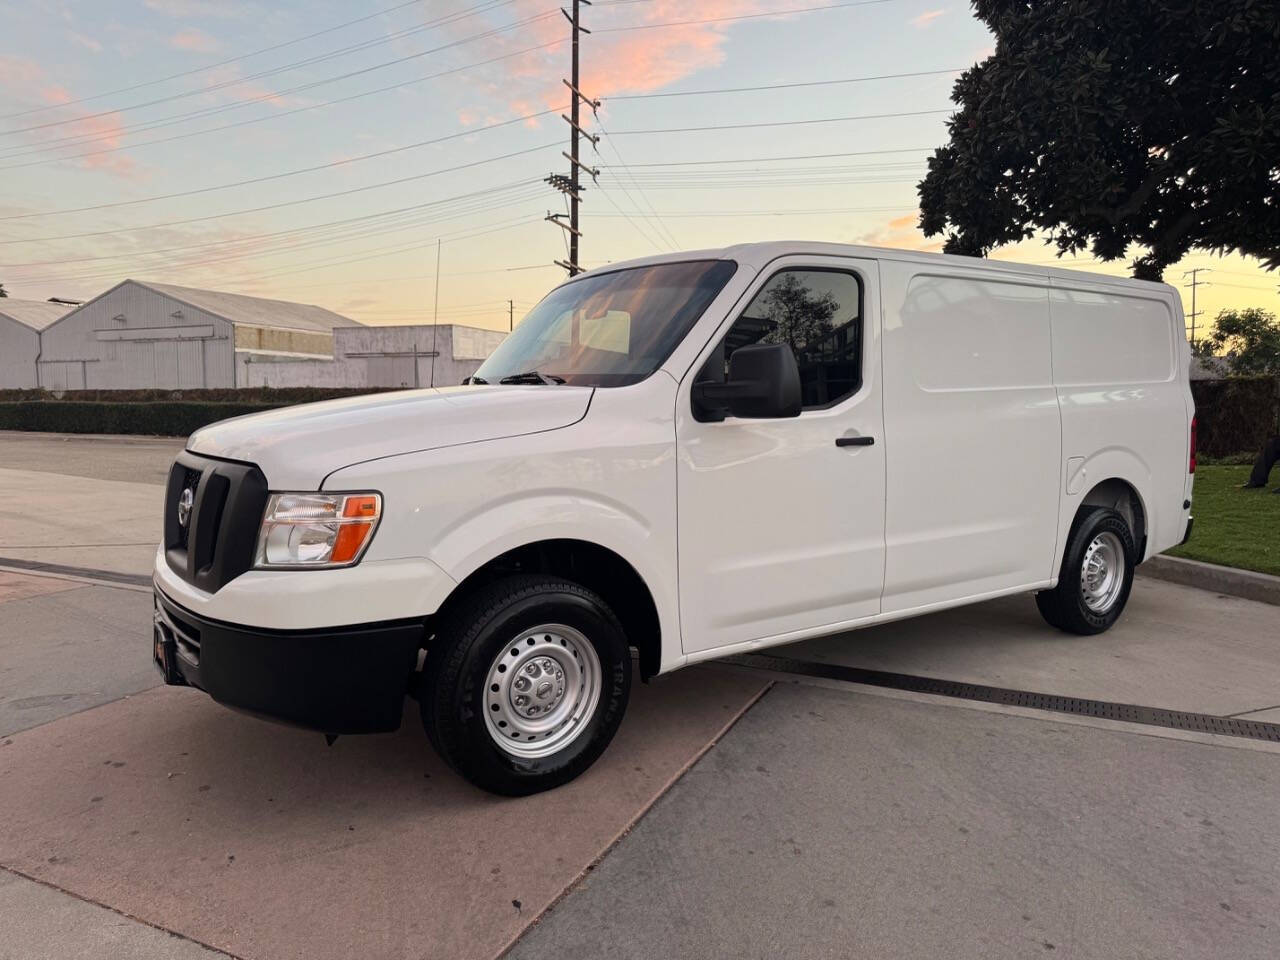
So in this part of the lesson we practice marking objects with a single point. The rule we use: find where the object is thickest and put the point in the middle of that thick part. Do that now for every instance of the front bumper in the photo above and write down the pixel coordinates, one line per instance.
(349, 679)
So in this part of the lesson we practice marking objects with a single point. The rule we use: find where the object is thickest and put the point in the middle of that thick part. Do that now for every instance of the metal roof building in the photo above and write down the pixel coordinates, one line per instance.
(20, 324)
(141, 335)
(415, 355)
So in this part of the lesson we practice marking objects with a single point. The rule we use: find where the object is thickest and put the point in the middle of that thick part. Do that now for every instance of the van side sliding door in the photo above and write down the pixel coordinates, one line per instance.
(973, 434)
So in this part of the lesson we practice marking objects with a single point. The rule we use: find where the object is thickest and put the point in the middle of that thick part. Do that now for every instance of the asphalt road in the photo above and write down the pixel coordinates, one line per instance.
(831, 820)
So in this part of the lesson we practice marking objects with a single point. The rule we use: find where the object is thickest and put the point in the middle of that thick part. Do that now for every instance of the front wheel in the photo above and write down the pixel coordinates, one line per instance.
(1096, 576)
(526, 684)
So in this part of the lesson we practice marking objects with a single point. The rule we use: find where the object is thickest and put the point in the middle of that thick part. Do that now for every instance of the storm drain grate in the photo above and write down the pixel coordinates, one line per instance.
(1127, 712)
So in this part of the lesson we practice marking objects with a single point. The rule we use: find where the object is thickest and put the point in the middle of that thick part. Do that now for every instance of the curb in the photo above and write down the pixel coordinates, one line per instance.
(1261, 587)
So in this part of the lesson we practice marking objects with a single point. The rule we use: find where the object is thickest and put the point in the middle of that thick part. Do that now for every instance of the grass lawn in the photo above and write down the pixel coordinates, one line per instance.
(1234, 527)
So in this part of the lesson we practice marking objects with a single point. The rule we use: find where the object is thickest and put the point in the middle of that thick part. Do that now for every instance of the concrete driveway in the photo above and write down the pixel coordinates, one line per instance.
(741, 812)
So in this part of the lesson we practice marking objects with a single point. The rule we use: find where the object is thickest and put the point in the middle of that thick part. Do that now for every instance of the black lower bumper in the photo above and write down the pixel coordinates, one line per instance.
(1187, 536)
(339, 680)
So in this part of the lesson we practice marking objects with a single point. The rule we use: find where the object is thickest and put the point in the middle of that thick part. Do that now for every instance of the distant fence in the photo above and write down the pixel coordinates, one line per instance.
(1236, 415)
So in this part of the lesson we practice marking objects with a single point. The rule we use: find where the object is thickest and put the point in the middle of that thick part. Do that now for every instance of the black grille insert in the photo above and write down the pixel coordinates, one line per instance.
(216, 543)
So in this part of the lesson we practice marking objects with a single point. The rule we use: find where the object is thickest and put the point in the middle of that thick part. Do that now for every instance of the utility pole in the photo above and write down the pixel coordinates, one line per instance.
(571, 186)
(1195, 282)
(511, 315)
(435, 320)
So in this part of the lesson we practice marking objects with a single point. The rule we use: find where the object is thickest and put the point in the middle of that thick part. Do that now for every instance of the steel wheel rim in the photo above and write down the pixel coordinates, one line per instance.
(1102, 572)
(541, 690)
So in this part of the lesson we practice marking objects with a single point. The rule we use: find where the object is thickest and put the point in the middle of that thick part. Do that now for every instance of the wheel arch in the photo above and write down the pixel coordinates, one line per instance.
(1122, 496)
(600, 569)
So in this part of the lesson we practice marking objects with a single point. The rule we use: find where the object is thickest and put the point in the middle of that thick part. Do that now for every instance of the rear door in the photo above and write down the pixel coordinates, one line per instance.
(780, 528)
(973, 434)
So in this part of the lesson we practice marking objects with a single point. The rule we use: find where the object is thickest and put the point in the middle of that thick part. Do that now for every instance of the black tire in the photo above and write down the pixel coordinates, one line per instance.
(470, 639)
(1066, 606)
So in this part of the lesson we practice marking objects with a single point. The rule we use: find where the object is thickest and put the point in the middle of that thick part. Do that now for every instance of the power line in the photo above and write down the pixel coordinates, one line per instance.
(281, 176)
(381, 253)
(770, 212)
(346, 222)
(347, 229)
(310, 62)
(675, 244)
(182, 118)
(780, 123)
(745, 16)
(212, 66)
(289, 203)
(622, 213)
(777, 86)
(802, 156)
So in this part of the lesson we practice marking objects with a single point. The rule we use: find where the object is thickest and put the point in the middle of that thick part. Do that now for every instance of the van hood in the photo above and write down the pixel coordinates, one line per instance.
(297, 447)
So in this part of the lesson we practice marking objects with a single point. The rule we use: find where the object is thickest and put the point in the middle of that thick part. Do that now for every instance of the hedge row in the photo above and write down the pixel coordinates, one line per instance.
(165, 419)
(1236, 415)
(275, 396)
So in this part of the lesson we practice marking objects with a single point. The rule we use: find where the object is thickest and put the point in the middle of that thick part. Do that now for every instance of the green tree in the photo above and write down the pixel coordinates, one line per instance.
(1249, 339)
(800, 318)
(1116, 124)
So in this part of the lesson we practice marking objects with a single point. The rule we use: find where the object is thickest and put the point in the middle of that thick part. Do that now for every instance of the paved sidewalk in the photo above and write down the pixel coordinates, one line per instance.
(832, 824)
(41, 923)
(1174, 647)
(66, 646)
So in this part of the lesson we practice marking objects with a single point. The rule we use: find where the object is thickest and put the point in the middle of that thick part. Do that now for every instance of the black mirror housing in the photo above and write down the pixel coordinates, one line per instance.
(764, 382)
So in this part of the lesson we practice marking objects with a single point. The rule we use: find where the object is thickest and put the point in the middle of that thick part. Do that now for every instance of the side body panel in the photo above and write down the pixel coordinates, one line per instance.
(1121, 367)
(972, 434)
(608, 479)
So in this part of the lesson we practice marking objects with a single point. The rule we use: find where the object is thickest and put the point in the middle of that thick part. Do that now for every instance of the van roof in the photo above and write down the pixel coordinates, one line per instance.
(760, 254)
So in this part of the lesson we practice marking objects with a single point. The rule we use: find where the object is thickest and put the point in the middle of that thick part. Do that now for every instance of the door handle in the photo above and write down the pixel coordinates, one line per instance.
(855, 441)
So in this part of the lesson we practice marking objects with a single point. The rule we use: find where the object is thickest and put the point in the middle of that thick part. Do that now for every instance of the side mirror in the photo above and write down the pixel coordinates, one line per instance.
(764, 381)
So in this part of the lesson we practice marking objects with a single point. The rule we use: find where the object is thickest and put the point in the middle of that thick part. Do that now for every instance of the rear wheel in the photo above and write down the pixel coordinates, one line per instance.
(1096, 575)
(526, 685)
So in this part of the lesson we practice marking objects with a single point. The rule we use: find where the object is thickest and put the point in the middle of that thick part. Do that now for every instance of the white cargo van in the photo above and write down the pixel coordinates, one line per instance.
(684, 456)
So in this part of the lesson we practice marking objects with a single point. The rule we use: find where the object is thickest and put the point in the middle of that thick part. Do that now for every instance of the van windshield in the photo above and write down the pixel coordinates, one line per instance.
(608, 329)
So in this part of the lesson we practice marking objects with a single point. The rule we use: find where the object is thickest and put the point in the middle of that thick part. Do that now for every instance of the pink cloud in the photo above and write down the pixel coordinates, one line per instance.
(19, 73)
(222, 85)
(87, 42)
(200, 8)
(900, 233)
(926, 19)
(193, 39)
(614, 62)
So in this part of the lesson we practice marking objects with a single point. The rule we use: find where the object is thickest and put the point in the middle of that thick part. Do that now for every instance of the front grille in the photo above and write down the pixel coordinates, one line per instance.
(216, 543)
(190, 481)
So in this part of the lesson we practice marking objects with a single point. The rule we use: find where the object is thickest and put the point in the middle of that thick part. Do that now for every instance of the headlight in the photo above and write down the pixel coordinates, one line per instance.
(317, 529)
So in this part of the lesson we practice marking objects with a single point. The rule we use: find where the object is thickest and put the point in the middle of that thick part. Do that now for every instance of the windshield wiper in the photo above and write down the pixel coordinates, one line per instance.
(480, 380)
(533, 376)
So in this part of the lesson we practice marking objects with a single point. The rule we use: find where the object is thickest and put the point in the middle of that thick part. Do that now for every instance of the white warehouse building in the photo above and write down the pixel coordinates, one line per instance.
(416, 355)
(140, 335)
(20, 324)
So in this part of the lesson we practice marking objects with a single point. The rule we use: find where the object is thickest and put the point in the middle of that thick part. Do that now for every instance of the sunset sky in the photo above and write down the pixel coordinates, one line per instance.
(370, 140)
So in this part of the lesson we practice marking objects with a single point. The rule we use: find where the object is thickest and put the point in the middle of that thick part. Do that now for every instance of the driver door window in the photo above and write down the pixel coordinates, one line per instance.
(818, 312)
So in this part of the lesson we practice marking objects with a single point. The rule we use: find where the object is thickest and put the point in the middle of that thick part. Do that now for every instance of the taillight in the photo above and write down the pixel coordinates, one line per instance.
(1191, 467)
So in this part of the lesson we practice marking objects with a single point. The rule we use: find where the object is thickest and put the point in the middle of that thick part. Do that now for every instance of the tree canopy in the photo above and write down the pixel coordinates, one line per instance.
(1249, 339)
(1111, 125)
(800, 317)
